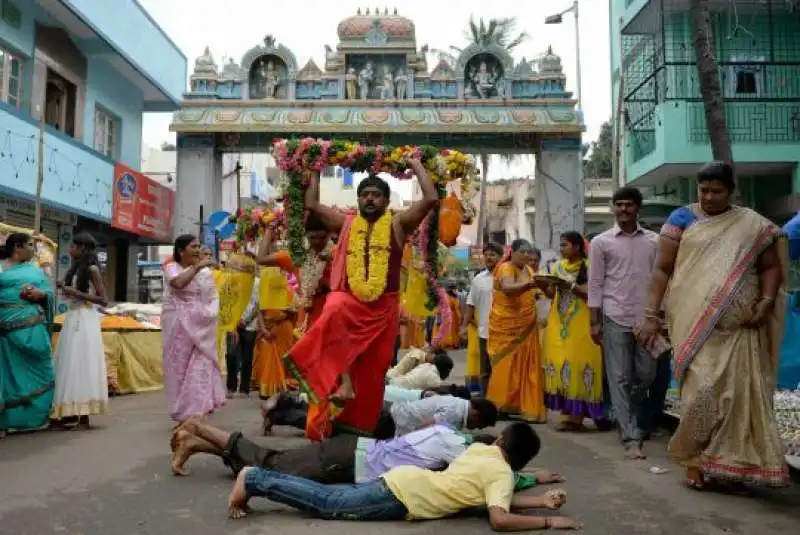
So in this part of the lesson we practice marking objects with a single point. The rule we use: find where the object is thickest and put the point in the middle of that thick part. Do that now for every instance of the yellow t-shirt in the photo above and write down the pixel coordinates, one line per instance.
(480, 476)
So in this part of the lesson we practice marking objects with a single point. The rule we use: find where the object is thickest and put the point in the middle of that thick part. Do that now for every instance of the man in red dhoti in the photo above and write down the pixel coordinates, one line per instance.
(344, 356)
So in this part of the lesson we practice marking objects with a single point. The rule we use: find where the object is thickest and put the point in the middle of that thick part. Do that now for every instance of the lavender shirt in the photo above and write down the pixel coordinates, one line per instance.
(620, 266)
(432, 448)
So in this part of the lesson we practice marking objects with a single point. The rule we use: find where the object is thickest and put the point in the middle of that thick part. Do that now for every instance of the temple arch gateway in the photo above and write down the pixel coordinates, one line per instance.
(376, 87)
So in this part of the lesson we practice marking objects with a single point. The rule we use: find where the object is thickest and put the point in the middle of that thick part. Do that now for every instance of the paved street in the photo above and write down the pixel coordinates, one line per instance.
(116, 480)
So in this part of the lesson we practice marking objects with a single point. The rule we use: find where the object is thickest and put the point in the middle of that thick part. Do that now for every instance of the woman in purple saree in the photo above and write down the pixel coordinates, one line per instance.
(192, 378)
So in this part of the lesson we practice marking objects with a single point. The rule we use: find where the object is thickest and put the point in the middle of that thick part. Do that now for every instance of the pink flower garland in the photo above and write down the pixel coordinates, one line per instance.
(433, 282)
(298, 162)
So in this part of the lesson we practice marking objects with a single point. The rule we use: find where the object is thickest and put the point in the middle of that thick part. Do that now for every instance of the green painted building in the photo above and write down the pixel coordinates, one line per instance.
(757, 45)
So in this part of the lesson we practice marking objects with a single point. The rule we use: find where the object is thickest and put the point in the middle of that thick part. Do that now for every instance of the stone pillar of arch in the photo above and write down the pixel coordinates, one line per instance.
(559, 192)
(198, 182)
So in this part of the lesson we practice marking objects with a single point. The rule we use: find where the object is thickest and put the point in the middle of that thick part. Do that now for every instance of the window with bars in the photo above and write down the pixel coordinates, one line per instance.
(106, 128)
(10, 78)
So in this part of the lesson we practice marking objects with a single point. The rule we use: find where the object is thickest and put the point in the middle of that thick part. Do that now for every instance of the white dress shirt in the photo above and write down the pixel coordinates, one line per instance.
(480, 298)
(412, 415)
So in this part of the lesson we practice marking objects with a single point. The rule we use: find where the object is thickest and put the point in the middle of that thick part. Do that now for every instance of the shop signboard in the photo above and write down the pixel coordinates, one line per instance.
(141, 205)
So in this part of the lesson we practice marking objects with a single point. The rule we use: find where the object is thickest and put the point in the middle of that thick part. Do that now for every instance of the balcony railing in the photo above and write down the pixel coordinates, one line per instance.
(750, 122)
(762, 102)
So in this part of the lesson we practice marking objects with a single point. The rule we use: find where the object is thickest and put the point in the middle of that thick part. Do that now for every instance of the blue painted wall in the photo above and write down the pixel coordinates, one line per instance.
(135, 35)
(20, 40)
(120, 97)
(76, 178)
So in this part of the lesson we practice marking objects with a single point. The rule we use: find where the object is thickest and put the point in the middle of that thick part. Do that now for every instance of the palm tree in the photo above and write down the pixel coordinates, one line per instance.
(708, 77)
(501, 32)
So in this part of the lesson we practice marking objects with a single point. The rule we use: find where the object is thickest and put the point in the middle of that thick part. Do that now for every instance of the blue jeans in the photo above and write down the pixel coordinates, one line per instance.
(360, 501)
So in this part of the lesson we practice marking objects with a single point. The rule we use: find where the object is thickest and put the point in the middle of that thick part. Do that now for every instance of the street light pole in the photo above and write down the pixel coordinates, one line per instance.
(558, 18)
(577, 53)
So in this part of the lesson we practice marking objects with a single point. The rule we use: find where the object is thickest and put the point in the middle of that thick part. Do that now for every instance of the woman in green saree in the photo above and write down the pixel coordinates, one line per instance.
(26, 365)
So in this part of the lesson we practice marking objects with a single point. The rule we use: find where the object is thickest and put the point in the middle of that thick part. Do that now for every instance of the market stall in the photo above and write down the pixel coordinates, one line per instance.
(132, 341)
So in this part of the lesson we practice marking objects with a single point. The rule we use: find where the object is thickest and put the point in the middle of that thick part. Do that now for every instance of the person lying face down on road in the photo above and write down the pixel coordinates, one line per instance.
(421, 368)
(483, 476)
(341, 458)
(290, 409)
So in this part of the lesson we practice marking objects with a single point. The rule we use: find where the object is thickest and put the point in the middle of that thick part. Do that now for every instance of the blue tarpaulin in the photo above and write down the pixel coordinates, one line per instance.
(789, 367)
(792, 230)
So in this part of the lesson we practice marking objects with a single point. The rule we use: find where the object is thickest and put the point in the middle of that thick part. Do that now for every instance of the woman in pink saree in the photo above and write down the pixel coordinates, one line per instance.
(192, 378)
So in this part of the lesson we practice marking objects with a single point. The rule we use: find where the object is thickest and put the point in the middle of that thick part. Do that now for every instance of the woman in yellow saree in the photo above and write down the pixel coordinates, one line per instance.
(724, 268)
(573, 363)
(516, 384)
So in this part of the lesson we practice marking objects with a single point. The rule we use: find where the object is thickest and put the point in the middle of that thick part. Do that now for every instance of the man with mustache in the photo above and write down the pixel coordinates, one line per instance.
(346, 353)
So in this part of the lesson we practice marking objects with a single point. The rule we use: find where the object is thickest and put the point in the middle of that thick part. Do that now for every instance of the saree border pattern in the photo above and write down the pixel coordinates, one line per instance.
(302, 383)
(771, 477)
(706, 323)
(26, 399)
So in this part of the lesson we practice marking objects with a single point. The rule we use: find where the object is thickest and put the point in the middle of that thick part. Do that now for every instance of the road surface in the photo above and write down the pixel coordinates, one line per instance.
(115, 480)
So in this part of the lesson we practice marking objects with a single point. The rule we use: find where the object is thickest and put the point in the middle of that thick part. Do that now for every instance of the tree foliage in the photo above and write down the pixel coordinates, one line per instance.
(497, 31)
(599, 155)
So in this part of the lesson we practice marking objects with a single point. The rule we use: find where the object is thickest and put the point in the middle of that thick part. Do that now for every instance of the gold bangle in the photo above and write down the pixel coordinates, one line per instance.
(767, 298)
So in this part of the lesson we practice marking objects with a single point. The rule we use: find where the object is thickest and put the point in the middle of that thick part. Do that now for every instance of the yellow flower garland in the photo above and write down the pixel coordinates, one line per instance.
(369, 289)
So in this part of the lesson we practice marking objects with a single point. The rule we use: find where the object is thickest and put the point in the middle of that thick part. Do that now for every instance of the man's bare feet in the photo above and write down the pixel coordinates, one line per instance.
(634, 453)
(344, 393)
(237, 499)
(181, 453)
(266, 414)
(173, 439)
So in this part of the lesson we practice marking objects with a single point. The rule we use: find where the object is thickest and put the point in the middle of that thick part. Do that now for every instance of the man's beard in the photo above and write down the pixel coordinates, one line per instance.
(371, 216)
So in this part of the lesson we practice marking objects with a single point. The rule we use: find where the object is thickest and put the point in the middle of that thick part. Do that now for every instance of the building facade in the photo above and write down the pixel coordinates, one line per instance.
(75, 78)
(665, 136)
(376, 87)
(511, 211)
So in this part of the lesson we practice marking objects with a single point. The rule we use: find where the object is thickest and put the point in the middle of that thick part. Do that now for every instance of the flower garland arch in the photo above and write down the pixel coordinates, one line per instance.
(299, 156)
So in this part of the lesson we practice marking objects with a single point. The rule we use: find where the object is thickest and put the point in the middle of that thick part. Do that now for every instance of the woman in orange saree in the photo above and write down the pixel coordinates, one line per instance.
(275, 332)
(516, 384)
(412, 331)
(724, 267)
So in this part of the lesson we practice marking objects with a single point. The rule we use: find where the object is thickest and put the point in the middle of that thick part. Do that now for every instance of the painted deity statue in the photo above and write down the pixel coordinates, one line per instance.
(484, 80)
(364, 80)
(351, 79)
(401, 83)
(270, 80)
(387, 89)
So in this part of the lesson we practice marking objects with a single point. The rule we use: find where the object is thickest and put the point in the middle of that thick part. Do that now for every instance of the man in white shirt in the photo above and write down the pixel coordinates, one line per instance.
(479, 305)
(455, 412)
(421, 369)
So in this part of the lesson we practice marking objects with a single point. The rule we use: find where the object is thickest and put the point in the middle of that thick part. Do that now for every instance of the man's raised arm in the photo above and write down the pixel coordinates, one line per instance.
(410, 219)
(332, 219)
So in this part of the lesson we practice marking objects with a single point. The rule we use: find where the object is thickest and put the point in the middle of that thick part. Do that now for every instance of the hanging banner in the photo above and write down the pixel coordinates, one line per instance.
(142, 206)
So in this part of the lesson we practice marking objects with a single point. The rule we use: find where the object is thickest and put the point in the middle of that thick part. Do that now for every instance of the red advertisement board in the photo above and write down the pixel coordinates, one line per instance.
(141, 205)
